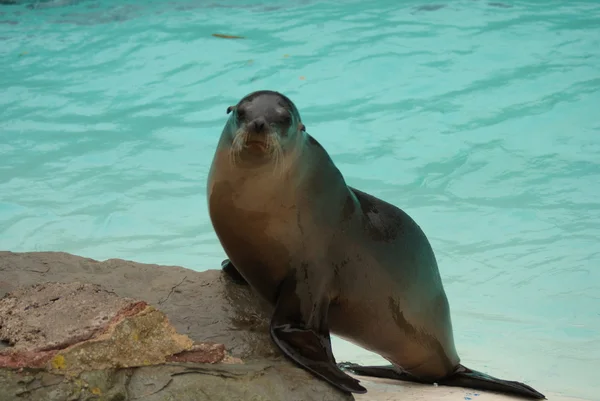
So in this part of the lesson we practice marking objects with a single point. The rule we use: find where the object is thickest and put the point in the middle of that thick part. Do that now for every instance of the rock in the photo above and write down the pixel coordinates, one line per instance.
(201, 305)
(252, 381)
(78, 329)
(73, 327)
(204, 353)
(81, 309)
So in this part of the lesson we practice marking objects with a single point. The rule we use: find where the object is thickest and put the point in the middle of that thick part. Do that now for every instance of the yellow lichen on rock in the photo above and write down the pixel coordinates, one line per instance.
(144, 338)
(58, 362)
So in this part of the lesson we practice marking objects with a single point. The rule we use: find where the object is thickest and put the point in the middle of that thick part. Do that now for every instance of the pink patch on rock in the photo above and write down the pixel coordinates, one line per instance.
(128, 311)
(37, 334)
(25, 359)
(201, 353)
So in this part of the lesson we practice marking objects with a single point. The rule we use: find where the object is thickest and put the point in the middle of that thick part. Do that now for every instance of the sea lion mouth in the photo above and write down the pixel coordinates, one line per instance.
(253, 147)
(256, 145)
(257, 142)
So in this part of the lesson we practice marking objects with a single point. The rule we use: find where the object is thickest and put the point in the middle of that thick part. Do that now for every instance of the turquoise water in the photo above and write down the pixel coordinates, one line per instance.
(481, 120)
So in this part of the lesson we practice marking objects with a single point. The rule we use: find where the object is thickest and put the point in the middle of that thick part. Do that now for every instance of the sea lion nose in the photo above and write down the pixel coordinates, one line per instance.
(257, 125)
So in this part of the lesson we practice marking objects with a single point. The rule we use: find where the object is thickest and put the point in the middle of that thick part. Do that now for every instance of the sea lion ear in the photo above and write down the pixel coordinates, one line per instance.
(230, 109)
(302, 127)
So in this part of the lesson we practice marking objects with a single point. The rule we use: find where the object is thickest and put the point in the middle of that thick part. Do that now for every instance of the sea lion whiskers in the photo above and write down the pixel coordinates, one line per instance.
(280, 162)
(237, 145)
(273, 149)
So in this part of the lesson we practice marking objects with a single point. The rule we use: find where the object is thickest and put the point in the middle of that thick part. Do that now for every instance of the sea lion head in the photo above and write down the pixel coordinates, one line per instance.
(263, 127)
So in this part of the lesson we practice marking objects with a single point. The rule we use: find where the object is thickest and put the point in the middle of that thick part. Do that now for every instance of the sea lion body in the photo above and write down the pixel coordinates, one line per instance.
(328, 257)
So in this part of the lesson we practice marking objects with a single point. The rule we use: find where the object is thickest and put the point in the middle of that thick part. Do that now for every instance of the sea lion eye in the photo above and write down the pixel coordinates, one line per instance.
(240, 111)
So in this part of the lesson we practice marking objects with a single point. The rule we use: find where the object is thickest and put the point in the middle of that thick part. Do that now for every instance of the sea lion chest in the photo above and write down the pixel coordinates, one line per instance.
(256, 218)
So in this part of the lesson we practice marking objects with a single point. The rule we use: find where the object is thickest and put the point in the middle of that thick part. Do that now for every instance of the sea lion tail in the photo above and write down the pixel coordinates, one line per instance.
(465, 377)
(462, 377)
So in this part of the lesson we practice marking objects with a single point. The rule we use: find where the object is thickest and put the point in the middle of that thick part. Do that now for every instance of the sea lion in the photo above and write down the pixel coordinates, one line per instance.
(329, 257)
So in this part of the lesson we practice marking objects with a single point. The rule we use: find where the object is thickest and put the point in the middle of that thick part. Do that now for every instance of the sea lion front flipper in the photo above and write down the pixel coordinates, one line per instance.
(299, 328)
(230, 270)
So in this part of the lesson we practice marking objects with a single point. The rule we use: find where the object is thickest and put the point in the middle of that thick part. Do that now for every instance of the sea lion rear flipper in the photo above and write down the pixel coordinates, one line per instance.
(462, 377)
(299, 328)
(383, 371)
(230, 270)
(465, 377)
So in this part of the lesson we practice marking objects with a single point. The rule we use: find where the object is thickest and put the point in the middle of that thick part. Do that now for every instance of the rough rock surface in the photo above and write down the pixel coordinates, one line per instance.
(202, 305)
(72, 327)
(81, 309)
(78, 329)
